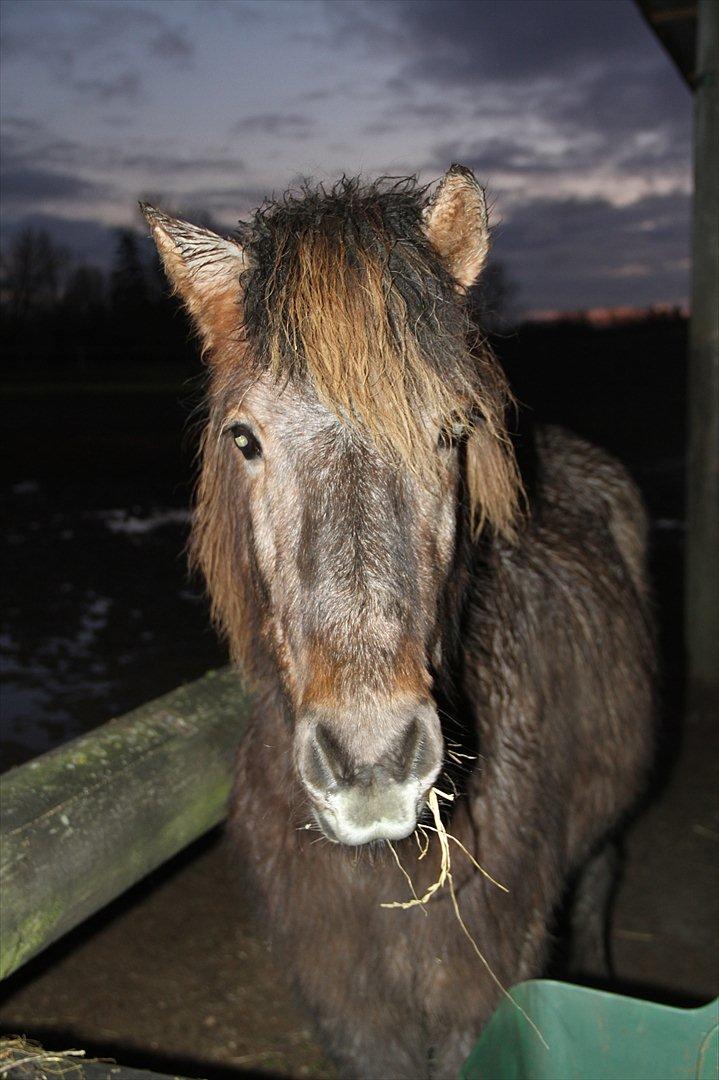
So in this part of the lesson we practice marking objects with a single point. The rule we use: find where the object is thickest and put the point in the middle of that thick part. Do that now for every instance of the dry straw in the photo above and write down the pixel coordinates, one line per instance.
(445, 879)
(22, 1057)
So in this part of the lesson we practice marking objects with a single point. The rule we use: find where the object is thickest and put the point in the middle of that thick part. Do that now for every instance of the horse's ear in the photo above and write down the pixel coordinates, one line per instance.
(203, 268)
(457, 224)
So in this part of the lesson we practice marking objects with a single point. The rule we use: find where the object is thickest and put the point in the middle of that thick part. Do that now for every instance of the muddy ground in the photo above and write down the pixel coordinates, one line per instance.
(174, 978)
(100, 616)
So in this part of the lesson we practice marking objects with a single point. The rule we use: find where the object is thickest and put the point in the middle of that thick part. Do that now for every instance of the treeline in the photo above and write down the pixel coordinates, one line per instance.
(61, 316)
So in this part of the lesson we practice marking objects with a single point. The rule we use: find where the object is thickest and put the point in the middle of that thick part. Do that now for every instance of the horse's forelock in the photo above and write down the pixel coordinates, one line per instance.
(345, 292)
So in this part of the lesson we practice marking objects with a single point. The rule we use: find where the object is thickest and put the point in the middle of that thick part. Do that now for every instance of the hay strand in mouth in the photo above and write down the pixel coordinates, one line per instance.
(471, 859)
(425, 837)
(407, 877)
(444, 863)
(445, 878)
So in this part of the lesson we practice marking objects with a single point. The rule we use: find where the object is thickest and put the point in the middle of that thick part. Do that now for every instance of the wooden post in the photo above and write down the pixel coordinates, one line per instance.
(702, 550)
(81, 824)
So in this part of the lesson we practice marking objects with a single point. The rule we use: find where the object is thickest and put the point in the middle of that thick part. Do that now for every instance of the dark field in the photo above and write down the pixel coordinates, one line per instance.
(100, 615)
(99, 612)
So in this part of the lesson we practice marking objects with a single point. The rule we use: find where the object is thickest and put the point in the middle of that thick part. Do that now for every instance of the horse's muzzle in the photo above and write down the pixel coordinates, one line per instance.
(355, 802)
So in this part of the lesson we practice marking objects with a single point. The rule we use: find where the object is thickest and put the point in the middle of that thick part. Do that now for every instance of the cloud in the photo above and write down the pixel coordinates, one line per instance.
(570, 254)
(38, 169)
(463, 43)
(590, 163)
(25, 185)
(495, 154)
(326, 93)
(226, 204)
(125, 86)
(92, 48)
(35, 142)
(569, 111)
(292, 124)
(418, 113)
(61, 180)
(169, 165)
(20, 126)
(172, 43)
(242, 12)
(538, 88)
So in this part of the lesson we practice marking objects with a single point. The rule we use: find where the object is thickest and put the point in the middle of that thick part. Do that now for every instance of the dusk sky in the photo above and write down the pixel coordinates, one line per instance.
(568, 110)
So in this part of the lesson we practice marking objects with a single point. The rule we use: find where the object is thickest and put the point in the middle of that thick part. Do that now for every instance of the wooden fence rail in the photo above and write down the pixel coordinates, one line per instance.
(81, 824)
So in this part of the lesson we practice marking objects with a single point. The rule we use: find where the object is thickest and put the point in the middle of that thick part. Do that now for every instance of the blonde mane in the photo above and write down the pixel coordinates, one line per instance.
(345, 292)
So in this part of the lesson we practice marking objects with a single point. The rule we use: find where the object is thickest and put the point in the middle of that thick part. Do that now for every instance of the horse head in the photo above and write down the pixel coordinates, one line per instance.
(355, 429)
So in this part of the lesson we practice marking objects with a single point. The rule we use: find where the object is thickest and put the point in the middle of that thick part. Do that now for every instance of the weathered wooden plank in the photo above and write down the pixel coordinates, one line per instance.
(81, 824)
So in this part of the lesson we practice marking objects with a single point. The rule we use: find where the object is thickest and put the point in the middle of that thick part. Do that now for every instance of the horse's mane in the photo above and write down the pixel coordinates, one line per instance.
(343, 290)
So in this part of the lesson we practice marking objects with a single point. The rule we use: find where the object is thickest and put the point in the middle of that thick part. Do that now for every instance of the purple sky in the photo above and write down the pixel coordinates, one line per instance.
(568, 109)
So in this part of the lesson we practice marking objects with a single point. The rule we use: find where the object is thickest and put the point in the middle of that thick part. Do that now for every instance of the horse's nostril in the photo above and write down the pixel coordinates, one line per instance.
(418, 752)
(412, 749)
(324, 763)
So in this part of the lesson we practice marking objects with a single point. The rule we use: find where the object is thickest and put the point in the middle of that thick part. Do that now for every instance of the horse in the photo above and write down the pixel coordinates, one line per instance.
(421, 601)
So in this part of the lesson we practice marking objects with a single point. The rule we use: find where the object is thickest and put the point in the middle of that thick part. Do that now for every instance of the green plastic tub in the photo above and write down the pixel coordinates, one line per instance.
(593, 1035)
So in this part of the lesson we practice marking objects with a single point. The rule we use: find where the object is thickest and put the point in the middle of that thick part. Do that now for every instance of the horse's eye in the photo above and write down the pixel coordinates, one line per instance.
(246, 441)
(450, 436)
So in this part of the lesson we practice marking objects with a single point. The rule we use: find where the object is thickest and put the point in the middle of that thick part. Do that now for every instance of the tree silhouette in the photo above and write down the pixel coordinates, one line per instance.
(128, 283)
(85, 293)
(492, 297)
(31, 272)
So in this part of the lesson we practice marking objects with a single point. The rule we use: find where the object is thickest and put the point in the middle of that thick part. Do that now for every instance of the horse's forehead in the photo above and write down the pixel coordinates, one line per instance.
(289, 410)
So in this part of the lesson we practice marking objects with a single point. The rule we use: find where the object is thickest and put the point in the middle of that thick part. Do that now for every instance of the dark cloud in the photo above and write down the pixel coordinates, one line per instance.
(430, 111)
(462, 42)
(228, 204)
(170, 165)
(398, 84)
(118, 24)
(494, 154)
(570, 254)
(274, 123)
(341, 89)
(566, 108)
(125, 86)
(27, 185)
(326, 93)
(27, 142)
(20, 126)
(172, 43)
(242, 12)
(379, 127)
(578, 140)
(106, 36)
(401, 114)
(594, 88)
(65, 163)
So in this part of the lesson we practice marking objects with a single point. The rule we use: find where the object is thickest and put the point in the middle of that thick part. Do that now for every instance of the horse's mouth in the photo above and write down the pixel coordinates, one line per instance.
(354, 818)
